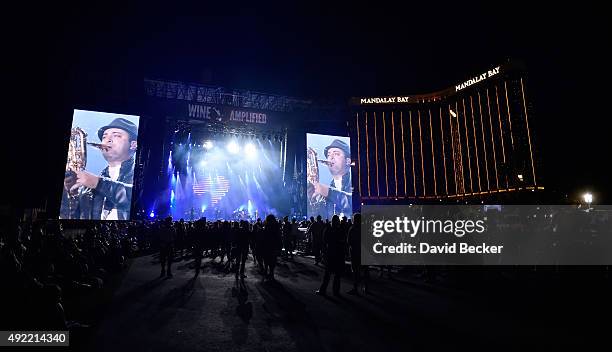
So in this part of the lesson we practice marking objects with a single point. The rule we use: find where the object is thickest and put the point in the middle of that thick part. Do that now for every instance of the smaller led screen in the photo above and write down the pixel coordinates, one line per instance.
(328, 176)
(99, 172)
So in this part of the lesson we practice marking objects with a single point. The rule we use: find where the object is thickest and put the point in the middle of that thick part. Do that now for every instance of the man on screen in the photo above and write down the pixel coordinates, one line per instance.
(108, 196)
(338, 193)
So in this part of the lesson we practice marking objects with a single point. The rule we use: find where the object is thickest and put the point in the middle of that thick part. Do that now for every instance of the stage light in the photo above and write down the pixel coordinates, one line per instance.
(250, 150)
(233, 147)
(203, 163)
(208, 145)
(152, 214)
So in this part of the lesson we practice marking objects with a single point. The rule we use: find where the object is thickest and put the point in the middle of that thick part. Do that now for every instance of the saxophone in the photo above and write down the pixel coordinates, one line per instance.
(312, 173)
(77, 151)
(77, 161)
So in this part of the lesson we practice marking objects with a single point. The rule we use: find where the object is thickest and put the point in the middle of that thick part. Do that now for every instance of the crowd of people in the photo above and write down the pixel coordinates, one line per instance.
(42, 262)
(330, 243)
(41, 265)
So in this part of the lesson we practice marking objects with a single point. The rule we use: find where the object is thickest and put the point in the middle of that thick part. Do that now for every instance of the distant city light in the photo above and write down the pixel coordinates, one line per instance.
(588, 198)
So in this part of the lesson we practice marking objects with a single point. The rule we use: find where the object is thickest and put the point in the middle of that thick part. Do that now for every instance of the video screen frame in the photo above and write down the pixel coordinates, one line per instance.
(328, 177)
(99, 173)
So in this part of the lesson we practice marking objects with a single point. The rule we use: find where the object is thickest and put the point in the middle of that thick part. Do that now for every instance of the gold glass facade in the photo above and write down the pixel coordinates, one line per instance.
(473, 142)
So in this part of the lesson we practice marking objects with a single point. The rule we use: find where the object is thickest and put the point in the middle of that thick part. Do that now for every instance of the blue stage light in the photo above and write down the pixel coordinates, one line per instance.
(233, 147)
(250, 150)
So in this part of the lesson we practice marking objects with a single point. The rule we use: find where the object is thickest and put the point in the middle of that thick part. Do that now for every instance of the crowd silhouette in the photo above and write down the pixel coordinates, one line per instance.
(40, 266)
(43, 262)
(330, 243)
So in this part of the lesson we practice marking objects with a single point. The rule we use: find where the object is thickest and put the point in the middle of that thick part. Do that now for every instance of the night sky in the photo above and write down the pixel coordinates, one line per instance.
(95, 57)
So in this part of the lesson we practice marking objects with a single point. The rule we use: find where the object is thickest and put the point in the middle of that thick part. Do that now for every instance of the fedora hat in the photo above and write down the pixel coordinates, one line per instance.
(340, 145)
(121, 123)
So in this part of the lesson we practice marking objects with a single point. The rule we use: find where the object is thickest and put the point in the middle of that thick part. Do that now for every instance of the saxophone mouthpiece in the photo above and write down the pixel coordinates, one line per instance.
(325, 162)
(99, 146)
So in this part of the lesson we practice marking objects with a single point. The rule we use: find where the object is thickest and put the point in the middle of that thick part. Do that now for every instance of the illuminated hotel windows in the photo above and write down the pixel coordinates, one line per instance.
(468, 143)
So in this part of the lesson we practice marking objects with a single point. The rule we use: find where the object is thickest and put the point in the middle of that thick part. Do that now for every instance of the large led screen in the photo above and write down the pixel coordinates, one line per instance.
(99, 172)
(328, 176)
